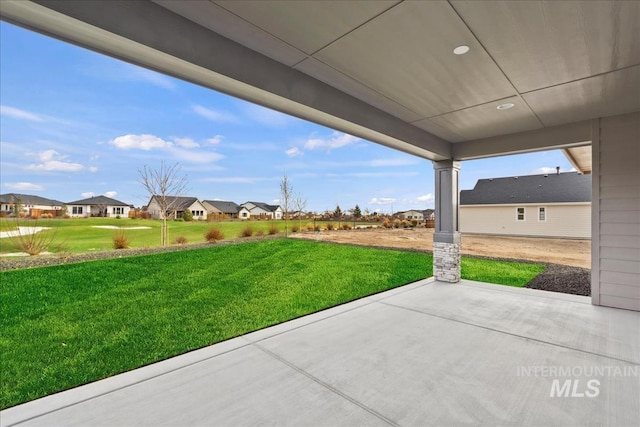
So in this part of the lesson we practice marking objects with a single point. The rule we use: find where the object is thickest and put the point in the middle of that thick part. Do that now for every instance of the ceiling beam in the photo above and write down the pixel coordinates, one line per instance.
(557, 137)
(151, 36)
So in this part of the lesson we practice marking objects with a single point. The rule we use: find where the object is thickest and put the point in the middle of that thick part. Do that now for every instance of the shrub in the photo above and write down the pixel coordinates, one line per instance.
(213, 235)
(329, 226)
(405, 223)
(178, 219)
(187, 215)
(247, 231)
(346, 226)
(310, 226)
(259, 233)
(273, 229)
(180, 240)
(414, 222)
(397, 223)
(386, 224)
(32, 243)
(117, 216)
(294, 228)
(316, 228)
(120, 240)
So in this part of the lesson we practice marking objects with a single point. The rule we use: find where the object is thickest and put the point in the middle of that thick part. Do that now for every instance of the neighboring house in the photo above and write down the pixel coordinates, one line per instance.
(260, 210)
(176, 206)
(101, 206)
(429, 214)
(33, 206)
(219, 208)
(550, 205)
(418, 215)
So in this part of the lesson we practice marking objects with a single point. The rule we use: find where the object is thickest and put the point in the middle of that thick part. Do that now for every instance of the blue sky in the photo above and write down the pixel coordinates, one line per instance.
(75, 123)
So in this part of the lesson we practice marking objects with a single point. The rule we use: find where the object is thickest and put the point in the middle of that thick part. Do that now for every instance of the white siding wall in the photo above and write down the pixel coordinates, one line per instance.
(616, 168)
(562, 220)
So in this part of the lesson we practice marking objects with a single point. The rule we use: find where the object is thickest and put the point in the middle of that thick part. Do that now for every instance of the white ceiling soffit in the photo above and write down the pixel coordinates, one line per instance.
(580, 158)
(388, 66)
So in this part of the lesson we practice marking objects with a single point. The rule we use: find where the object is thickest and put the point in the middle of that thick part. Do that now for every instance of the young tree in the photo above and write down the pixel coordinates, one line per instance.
(300, 203)
(356, 212)
(163, 184)
(286, 195)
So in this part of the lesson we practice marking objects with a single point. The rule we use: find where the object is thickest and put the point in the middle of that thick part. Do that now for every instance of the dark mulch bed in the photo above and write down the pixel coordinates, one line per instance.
(563, 278)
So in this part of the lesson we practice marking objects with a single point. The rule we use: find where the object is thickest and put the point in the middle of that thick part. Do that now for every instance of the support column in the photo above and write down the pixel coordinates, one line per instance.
(446, 239)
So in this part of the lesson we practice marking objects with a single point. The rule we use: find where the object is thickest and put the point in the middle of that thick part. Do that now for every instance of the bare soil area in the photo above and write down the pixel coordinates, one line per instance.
(576, 253)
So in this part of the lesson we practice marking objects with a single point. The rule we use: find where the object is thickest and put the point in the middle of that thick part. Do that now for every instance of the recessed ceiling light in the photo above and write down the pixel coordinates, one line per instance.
(505, 106)
(461, 50)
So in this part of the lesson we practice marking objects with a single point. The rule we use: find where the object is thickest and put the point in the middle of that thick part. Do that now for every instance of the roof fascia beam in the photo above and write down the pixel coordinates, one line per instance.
(151, 36)
(557, 137)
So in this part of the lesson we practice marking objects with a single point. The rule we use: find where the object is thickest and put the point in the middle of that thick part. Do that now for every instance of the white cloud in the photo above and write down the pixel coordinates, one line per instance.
(23, 186)
(426, 198)
(51, 160)
(213, 115)
(294, 152)
(111, 194)
(215, 140)
(88, 194)
(336, 140)
(93, 169)
(381, 201)
(140, 142)
(148, 76)
(186, 142)
(267, 116)
(196, 156)
(17, 113)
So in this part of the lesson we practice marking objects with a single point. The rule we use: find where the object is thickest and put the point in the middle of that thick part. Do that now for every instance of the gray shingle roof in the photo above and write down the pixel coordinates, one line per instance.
(27, 199)
(548, 188)
(98, 200)
(264, 206)
(224, 206)
(179, 203)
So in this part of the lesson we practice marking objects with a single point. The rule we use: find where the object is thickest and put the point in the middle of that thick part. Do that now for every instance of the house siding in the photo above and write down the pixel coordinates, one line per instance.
(616, 163)
(562, 220)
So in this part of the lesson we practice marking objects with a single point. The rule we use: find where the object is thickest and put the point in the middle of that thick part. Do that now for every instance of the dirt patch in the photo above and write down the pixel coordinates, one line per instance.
(576, 253)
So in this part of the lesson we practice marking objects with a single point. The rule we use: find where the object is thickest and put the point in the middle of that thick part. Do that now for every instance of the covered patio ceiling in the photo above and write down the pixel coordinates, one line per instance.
(385, 70)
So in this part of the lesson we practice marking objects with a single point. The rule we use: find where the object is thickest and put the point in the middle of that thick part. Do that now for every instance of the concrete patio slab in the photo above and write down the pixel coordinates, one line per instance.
(425, 354)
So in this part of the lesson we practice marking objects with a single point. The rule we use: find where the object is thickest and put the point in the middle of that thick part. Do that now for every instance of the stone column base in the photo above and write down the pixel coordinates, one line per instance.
(446, 262)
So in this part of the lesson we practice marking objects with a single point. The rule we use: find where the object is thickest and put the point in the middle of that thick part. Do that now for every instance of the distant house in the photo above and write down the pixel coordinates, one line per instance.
(176, 207)
(417, 215)
(221, 208)
(101, 206)
(32, 206)
(550, 205)
(259, 210)
(429, 214)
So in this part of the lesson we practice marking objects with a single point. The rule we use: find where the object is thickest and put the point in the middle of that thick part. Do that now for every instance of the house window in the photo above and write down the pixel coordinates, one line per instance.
(197, 213)
(244, 214)
(520, 214)
(76, 210)
(542, 214)
(118, 210)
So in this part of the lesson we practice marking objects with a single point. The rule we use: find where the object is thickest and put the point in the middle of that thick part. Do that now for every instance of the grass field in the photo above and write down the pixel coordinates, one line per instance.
(75, 235)
(71, 324)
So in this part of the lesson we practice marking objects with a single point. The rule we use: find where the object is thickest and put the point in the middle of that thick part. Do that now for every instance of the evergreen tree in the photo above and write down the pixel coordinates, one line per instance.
(356, 212)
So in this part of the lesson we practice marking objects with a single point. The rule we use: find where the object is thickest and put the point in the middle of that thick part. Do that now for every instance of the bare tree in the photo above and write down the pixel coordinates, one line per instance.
(286, 194)
(299, 203)
(163, 185)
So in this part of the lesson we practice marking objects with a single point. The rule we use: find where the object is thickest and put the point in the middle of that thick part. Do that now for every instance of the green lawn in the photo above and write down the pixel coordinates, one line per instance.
(71, 324)
(76, 235)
